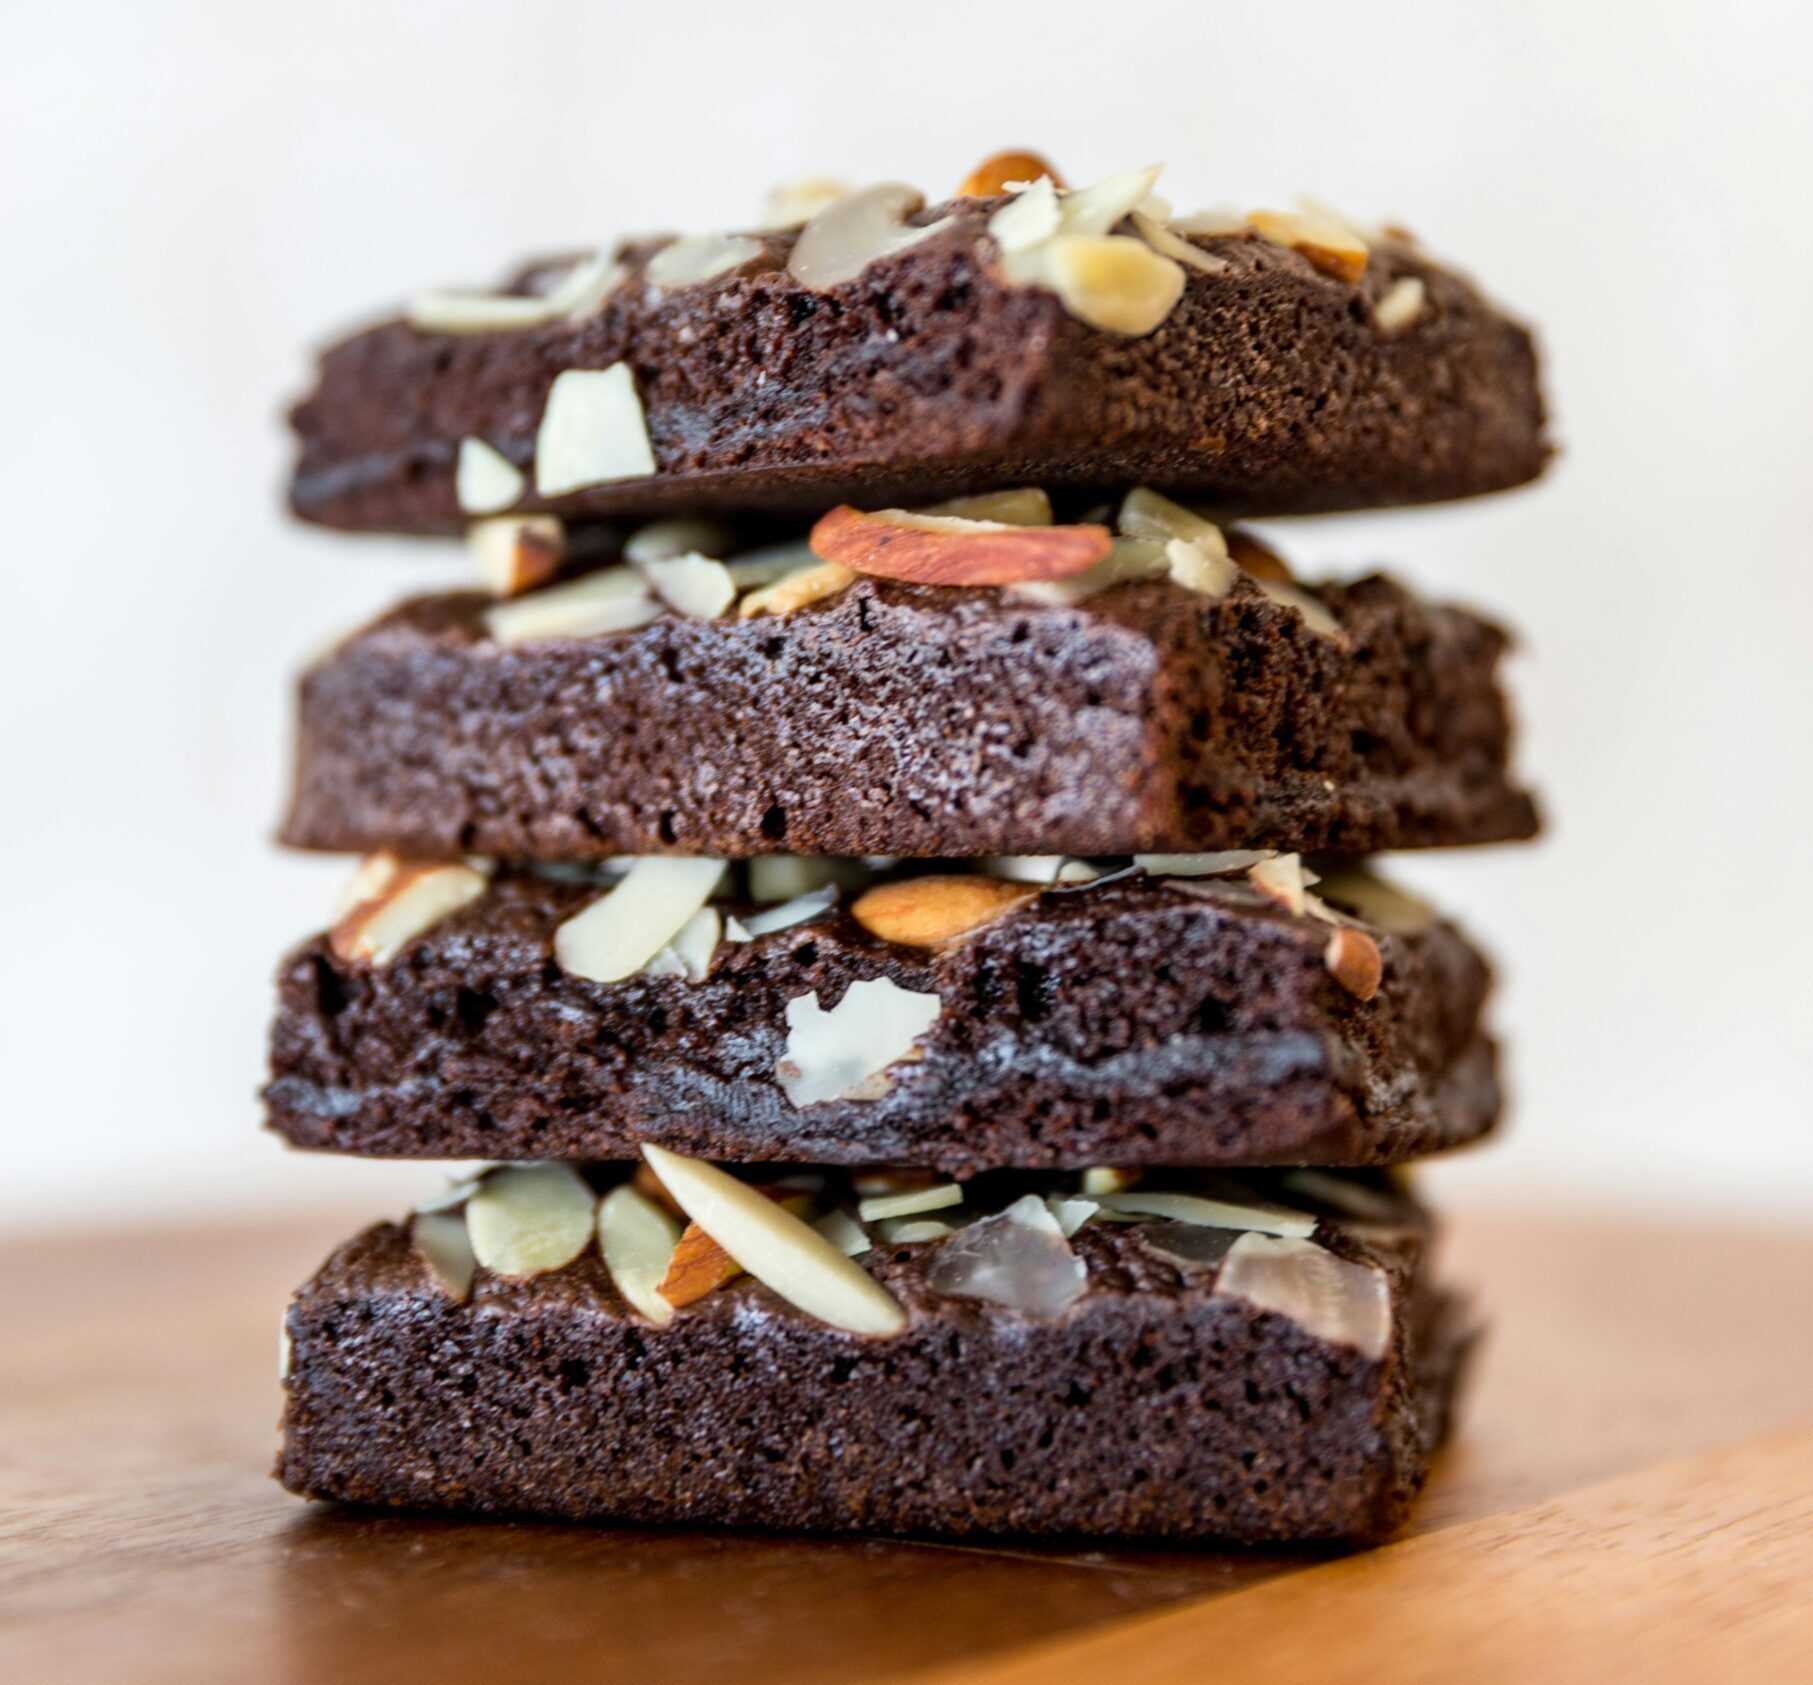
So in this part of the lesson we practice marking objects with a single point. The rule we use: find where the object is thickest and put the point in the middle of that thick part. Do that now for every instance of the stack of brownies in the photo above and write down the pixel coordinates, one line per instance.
(878, 869)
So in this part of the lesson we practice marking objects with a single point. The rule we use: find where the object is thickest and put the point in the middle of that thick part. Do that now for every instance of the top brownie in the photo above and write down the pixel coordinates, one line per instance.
(1276, 365)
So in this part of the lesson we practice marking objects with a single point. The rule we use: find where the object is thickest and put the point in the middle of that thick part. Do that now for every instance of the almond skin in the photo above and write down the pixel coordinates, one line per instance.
(1353, 960)
(929, 912)
(1250, 556)
(938, 550)
(700, 1266)
(989, 179)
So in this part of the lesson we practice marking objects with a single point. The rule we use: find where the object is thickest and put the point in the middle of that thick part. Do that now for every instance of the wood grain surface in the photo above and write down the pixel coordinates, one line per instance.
(1630, 1499)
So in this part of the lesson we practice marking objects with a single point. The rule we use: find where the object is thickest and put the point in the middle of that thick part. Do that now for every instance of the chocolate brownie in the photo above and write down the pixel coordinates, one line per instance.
(908, 719)
(1271, 387)
(1137, 1020)
(1151, 1405)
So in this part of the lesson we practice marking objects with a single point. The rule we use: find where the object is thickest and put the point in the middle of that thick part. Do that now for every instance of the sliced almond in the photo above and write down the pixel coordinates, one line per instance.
(844, 1052)
(795, 202)
(777, 1248)
(1315, 612)
(628, 925)
(650, 1186)
(1107, 1179)
(907, 1231)
(1198, 568)
(515, 553)
(700, 257)
(1045, 870)
(528, 1219)
(914, 1202)
(1353, 960)
(1202, 865)
(369, 877)
(795, 590)
(446, 1248)
(1254, 558)
(1325, 240)
(1026, 222)
(1003, 171)
(1393, 910)
(1281, 879)
(950, 550)
(413, 899)
(1113, 281)
(1259, 1215)
(1337, 1301)
(1101, 206)
(929, 912)
(689, 954)
(1400, 305)
(770, 562)
(611, 600)
(784, 917)
(844, 1232)
(1145, 513)
(1022, 506)
(696, 586)
(485, 481)
(593, 432)
(1167, 242)
(1131, 559)
(451, 311)
(850, 233)
(682, 535)
(638, 1238)
(700, 1266)
(782, 877)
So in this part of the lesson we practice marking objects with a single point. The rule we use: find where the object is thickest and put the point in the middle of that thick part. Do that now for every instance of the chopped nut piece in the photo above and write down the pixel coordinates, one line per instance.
(795, 590)
(592, 432)
(844, 1232)
(638, 1239)
(515, 553)
(777, 1248)
(612, 600)
(1113, 282)
(1401, 304)
(1003, 171)
(1167, 242)
(1258, 1215)
(682, 535)
(528, 1219)
(1023, 506)
(1315, 613)
(413, 899)
(696, 586)
(369, 877)
(850, 233)
(913, 1203)
(950, 550)
(689, 954)
(1027, 220)
(1131, 559)
(794, 202)
(1101, 206)
(1198, 568)
(1281, 879)
(1332, 1298)
(1105, 1179)
(446, 1249)
(844, 1052)
(1353, 960)
(628, 925)
(1202, 865)
(700, 257)
(1253, 558)
(789, 913)
(484, 479)
(933, 911)
(1145, 513)
(1325, 240)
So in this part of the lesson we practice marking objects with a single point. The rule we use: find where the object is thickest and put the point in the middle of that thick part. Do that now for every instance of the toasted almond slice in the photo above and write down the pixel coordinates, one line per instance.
(1145, 513)
(515, 553)
(912, 1203)
(1003, 171)
(368, 879)
(1353, 960)
(1254, 558)
(1045, 870)
(1113, 281)
(1328, 243)
(1202, 865)
(528, 1219)
(1260, 1216)
(638, 1238)
(1022, 506)
(1167, 242)
(695, 258)
(858, 229)
(844, 1052)
(414, 898)
(795, 590)
(1400, 305)
(628, 925)
(1280, 879)
(1131, 559)
(485, 481)
(777, 1248)
(1107, 1179)
(611, 600)
(949, 550)
(1101, 206)
(1336, 1300)
(929, 912)
(695, 585)
(446, 1248)
(592, 432)
(1025, 223)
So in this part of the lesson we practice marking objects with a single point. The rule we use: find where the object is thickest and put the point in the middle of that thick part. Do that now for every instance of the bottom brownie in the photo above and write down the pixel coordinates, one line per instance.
(1152, 1405)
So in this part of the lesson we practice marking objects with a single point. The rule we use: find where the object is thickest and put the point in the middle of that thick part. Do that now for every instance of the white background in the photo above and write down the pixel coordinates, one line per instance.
(190, 194)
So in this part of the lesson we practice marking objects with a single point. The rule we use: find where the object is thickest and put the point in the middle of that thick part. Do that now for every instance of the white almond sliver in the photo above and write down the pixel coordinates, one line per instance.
(680, 535)
(1401, 304)
(698, 587)
(782, 877)
(1108, 1179)
(446, 1248)
(771, 562)
(1196, 567)
(777, 1248)
(786, 915)
(910, 1204)
(1097, 208)
(449, 310)
(1260, 1216)
(1281, 879)
(700, 257)
(1070, 1214)
(413, 900)
(905, 1231)
(527, 1219)
(689, 954)
(1202, 865)
(852, 232)
(485, 481)
(1165, 240)
(637, 1239)
(455, 1193)
(838, 1052)
(592, 432)
(844, 1232)
(1145, 513)
(368, 879)
(611, 600)
(1131, 558)
(1314, 611)
(1021, 506)
(627, 926)
(1332, 1298)
(1112, 281)
(1028, 219)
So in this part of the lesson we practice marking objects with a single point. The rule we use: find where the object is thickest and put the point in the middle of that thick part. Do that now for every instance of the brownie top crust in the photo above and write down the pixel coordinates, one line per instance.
(1271, 386)
(907, 719)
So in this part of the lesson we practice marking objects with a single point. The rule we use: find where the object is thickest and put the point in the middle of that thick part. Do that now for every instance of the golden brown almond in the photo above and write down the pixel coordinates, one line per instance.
(1353, 960)
(1328, 243)
(949, 550)
(1250, 556)
(795, 590)
(516, 553)
(415, 896)
(1280, 880)
(700, 1266)
(993, 176)
(929, 912)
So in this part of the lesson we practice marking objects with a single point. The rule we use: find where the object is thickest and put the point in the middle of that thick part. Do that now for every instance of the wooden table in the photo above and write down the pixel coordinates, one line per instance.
(1632, 1498)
